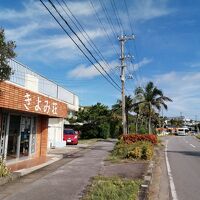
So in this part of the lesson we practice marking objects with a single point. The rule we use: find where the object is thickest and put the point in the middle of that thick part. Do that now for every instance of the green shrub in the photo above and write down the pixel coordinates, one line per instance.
(135, 153)
(147, 151)
(4, 171)
(88, 131)
(115, 130)
(104, 130)
(142, 130)
(138, 150)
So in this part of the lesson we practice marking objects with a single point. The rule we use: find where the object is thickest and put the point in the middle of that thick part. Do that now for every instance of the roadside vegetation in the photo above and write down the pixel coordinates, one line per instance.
(132, 146)
(142, 115)
(112, 188)
(198, 136)
(4, 171)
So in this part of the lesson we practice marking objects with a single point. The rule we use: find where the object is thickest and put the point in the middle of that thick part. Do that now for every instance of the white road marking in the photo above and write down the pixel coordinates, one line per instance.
(192, 145)
(171, 181)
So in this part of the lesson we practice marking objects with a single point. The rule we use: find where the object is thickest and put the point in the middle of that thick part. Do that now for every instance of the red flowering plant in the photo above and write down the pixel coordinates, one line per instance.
(132, 138)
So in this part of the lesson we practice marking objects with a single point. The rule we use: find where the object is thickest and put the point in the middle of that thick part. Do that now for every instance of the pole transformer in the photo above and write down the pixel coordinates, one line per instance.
(122, 39)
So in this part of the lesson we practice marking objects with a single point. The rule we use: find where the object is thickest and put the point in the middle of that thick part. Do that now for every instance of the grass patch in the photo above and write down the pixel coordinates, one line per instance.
(112, 188)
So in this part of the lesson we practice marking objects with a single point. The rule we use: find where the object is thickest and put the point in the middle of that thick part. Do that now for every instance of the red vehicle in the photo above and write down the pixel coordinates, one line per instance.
(70, 136)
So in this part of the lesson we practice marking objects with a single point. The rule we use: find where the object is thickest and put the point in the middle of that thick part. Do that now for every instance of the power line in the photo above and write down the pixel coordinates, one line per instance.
(88, 39)
(108, 17)
(99, 20)
(101, 23)
(82, 43)
(76, 43)
(117, 16)
(131, 26)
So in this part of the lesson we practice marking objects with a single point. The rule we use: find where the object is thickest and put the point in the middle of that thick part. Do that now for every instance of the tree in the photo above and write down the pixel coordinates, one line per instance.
(96, 121)
(6, 53)
(128, 107)
(153, 98)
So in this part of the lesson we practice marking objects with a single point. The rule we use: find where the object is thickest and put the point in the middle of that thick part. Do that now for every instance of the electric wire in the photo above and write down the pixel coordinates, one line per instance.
(102, 25)
(120, 24)
(108, 17)
(78, 46)
(82, 43)
(136, 52)
(117, 16)
(87, 37)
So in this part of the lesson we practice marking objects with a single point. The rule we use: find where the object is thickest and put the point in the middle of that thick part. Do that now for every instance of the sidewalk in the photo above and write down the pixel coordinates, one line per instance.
(66, 182)
(25, 167)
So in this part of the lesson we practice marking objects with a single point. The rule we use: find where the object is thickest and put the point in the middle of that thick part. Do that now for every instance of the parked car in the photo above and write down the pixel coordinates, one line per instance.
(70, 136)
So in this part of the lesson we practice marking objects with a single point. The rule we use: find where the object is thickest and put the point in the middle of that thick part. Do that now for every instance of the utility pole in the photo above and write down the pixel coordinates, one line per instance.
(122, 39)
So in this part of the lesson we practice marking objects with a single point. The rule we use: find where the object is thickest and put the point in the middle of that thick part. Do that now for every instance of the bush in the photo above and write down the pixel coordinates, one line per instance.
(88, 131)
(104, 131)
(147, 151)
(142, 130)
(135, 153)
(138, 150)
(115, 130)
(4, 171)
(132, 138)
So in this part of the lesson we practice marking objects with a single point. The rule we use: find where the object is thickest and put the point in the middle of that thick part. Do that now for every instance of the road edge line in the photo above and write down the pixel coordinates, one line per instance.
(171, 181)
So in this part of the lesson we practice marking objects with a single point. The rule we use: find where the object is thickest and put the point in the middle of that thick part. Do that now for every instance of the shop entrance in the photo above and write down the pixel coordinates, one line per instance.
(25, 136)
(3, 123)
(21, 137)
(13, 136)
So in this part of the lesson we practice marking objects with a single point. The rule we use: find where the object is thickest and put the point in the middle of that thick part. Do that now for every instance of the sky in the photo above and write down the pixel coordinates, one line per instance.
(166, 48)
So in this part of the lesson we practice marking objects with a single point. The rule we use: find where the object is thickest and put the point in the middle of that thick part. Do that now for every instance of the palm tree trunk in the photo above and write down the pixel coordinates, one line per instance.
(149, 124)
(127, 122)
(136, 124)
(149, 117)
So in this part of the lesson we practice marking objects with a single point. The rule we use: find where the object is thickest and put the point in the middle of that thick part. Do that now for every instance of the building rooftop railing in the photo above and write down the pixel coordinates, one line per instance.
(29, 79)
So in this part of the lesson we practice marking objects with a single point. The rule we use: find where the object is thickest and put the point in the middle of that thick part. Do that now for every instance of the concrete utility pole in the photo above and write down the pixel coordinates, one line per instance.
(122, 39)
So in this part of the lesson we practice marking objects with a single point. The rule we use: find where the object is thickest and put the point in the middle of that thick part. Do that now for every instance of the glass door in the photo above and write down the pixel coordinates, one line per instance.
(13, 136)
(3, 125)
(25, 136)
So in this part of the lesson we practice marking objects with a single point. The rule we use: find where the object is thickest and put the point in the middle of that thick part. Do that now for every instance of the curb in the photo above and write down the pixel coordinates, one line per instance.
(144, 188)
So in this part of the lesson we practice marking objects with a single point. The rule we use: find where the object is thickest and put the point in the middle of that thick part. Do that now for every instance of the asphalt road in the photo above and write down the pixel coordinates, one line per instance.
(183, 154)
(64, 180)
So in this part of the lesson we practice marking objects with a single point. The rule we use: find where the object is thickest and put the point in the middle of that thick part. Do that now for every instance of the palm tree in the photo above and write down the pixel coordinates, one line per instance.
(153, 97)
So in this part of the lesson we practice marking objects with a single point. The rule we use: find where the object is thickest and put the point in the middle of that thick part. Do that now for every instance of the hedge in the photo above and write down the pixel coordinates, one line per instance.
(131, 138)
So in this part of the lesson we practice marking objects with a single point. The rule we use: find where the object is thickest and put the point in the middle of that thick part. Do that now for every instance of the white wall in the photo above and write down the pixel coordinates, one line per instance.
(55, 133)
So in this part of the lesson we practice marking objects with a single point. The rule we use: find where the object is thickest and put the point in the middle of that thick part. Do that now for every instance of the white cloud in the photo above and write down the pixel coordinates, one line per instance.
(195, 64)
(149, 9)
(20, 32)
(81, 8)
(183, 88)
(30, 9)
(83, 71)
(143, 62)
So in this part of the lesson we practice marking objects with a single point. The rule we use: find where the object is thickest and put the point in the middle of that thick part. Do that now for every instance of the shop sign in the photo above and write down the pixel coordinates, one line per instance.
(40, 105)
